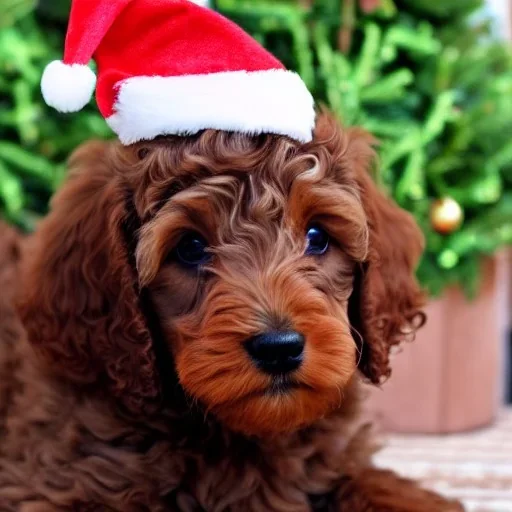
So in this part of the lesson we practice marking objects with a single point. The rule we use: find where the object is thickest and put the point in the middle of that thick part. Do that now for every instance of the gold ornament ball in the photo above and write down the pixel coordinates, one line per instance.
(446, 215)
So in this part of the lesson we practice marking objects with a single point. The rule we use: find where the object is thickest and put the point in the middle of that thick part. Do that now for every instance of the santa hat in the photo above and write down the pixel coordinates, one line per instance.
(174, 67)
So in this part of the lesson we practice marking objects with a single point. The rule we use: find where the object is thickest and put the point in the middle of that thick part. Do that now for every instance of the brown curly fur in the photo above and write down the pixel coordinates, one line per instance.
(131, 390)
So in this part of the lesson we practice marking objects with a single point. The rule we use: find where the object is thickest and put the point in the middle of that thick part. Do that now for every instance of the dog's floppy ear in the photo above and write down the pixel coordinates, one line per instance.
(384, 308)
(80, 301)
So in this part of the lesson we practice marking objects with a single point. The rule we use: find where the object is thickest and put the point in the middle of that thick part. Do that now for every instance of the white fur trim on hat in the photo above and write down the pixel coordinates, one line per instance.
(202, 3)
(67, 88)
(274, 101)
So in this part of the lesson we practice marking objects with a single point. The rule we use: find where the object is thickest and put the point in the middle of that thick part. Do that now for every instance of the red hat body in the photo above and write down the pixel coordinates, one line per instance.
(168, 38)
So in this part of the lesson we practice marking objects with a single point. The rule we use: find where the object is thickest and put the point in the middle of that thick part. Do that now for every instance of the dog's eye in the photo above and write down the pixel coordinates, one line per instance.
(142, 153)
(318, 241)
(191, 250)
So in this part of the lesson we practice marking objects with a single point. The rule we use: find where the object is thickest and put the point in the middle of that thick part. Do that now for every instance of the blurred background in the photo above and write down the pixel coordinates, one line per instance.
(432, 80)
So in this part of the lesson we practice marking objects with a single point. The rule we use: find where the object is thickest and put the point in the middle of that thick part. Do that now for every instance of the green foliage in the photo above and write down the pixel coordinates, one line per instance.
(34, 139)
(423, 75)
(12, 10)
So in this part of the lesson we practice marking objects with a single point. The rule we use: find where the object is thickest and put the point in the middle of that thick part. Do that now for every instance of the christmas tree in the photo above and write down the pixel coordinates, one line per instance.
(426, 77)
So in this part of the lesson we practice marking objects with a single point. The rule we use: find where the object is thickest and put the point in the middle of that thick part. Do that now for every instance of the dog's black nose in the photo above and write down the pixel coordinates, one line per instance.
(276, 352)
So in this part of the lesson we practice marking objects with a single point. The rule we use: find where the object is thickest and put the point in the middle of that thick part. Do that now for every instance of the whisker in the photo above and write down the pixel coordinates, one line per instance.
(359, 347)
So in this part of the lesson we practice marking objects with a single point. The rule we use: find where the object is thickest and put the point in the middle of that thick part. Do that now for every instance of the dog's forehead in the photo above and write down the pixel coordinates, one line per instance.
(278, 175)
(233, 199)
(265, 182)
(249, 191)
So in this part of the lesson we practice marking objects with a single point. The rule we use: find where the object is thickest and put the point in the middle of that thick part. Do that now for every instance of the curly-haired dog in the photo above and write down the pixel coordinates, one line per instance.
(199, 313)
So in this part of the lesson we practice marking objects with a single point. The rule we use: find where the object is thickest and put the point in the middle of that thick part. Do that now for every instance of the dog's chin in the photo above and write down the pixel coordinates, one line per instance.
(279, 409)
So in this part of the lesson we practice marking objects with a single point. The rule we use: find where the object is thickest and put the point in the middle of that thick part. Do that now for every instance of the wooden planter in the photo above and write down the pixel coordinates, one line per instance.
(452, 377)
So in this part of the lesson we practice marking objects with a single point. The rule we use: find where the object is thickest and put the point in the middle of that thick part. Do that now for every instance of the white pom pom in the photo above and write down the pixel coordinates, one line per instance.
(67, 88)
(202, 3)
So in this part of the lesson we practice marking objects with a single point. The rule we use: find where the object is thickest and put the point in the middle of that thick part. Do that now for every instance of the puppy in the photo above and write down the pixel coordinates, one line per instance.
(199, 314)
